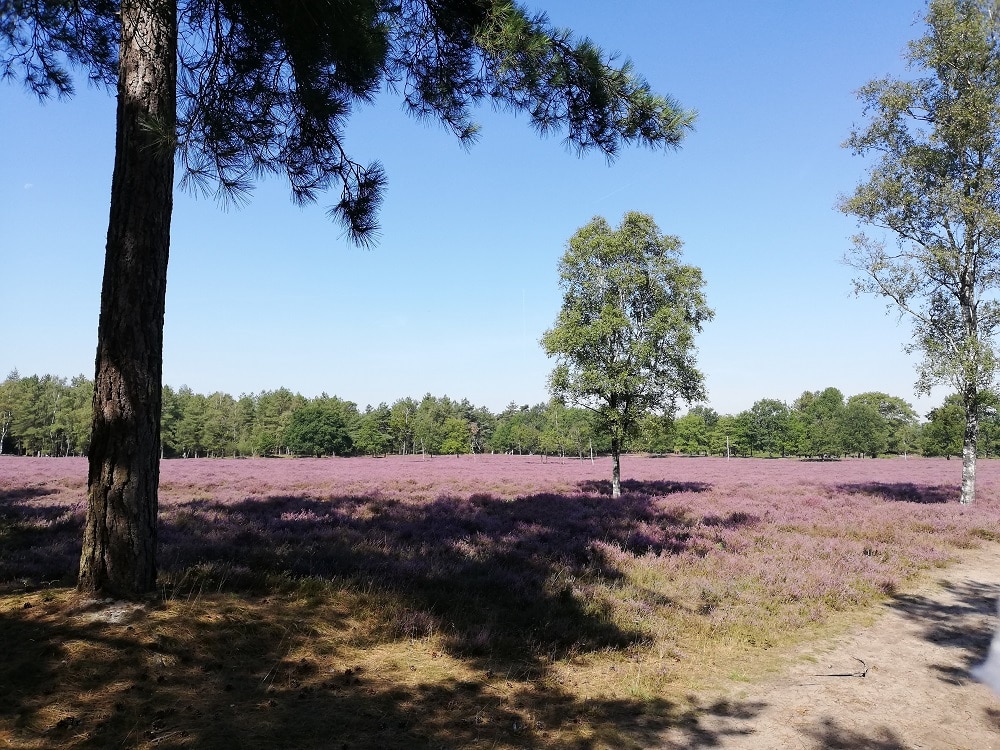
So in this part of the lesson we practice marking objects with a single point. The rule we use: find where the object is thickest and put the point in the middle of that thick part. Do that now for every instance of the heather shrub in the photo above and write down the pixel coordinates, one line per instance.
(510, 558)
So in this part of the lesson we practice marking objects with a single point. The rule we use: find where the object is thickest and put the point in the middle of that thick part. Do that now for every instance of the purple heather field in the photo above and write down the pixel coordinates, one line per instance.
(698, 533)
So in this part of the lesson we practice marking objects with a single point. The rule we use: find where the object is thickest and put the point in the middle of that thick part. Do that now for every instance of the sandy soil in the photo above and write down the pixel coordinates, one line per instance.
(902, 682)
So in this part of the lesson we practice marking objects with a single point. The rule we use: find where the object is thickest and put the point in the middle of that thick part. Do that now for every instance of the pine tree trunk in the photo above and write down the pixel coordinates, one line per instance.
(119, 543)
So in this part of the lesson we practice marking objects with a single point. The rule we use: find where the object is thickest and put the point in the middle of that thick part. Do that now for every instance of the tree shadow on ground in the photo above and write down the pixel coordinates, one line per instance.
(965, 624)
(829, 735)
(79, 682)
(516, 573)
(711, 723)
(38, 541)
(504, 585)
(650, 487)
(902, 492)
(993, 719)
(825, 734)
(20, 494)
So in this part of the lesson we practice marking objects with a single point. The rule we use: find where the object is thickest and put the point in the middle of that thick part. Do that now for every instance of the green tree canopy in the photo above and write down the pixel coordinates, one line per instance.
(401, 416)
(863, 429)
(768, 426)
(456, 436)
(624, 337)
(896, 419)
(821, 415)
(45, 415)
(318, 429)
(942, 434)
(372, 434)
(722, 438)
(691, 434)
(519, 429)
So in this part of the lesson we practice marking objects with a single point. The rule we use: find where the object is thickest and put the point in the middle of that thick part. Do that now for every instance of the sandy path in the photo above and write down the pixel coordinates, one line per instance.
(916, 692)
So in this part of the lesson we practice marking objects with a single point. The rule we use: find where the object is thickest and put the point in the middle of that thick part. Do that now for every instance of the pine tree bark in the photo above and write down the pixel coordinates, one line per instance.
(119, 544)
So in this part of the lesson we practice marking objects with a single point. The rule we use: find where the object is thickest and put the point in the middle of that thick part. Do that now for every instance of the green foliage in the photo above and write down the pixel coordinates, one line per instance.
(456, 436)
(822, 421)
(49, 415)
(722, 434)
(691, 435)
(401, 425)
(863, 430)
(429, 421)
(189, 431)
(624, 338)
(246, 418)
(989, 424)
(519, 429)
(942, 435)
(877, 423)
(274, 414)
(767, 427)
(740, 434)
(437, 426)
(482, 423)
(373, 435)
(8, 403)
(656, 433)
(554, 438)
(709, 415)
(221, 428)
(45, 416)
(318, 429)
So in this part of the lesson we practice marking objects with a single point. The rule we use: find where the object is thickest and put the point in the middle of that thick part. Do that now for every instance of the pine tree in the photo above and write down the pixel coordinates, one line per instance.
(230, 89)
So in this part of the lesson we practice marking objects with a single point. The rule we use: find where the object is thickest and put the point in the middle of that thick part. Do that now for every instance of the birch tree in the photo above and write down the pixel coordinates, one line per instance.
(624, 338)
(933, 195)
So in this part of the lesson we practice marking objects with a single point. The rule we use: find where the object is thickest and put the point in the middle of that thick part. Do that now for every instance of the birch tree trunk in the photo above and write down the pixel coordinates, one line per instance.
(969, 447)
(616, 467)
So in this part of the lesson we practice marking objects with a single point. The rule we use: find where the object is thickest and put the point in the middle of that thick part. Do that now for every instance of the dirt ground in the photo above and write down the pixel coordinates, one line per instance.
(901, 682)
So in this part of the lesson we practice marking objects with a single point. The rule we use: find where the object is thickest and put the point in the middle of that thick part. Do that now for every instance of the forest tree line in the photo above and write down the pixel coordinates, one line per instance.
(50, 416)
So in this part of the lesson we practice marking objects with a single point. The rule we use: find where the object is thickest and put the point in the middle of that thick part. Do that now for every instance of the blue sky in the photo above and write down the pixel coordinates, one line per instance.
(463, 281)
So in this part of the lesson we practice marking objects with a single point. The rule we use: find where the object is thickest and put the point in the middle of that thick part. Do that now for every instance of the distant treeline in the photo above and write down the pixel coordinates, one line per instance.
(49, 415)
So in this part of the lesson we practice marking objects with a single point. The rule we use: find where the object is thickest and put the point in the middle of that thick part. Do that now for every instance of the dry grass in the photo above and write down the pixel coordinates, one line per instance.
(224, 671)
(522, 610)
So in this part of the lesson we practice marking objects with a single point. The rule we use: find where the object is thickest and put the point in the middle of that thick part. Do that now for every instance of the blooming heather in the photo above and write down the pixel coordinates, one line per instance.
(472, 542)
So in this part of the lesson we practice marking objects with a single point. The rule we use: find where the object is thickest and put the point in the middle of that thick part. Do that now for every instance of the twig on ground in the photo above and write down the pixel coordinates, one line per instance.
(862, 673)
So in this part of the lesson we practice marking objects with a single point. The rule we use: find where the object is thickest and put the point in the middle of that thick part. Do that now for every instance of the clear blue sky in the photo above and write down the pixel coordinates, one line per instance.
(463, 281)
